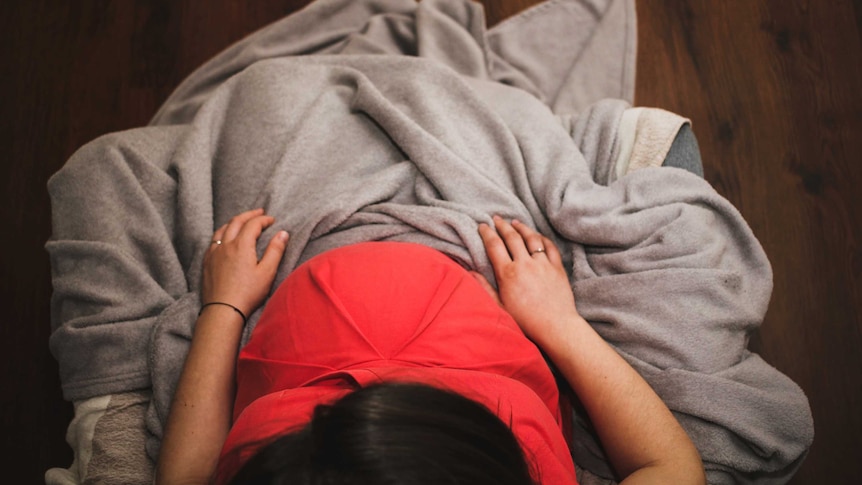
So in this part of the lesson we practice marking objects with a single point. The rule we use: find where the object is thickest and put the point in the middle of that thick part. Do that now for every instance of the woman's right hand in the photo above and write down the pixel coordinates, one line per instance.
(532, 283)
(232, 272)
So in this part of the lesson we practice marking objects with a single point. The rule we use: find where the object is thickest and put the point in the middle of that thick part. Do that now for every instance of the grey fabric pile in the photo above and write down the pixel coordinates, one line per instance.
(389, 120)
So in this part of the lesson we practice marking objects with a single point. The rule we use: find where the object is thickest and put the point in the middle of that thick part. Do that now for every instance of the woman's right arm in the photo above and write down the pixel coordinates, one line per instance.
(643, 441)
(200, 414)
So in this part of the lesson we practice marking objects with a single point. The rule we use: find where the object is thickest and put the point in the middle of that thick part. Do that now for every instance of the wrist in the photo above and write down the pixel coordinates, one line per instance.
(223, 311)
(559, 334)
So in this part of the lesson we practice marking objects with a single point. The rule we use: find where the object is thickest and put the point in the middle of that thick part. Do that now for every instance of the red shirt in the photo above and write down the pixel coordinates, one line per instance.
(382, 311)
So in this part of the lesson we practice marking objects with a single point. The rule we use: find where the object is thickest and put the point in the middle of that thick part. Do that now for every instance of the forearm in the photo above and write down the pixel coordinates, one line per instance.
(200, 415)
(642, 439)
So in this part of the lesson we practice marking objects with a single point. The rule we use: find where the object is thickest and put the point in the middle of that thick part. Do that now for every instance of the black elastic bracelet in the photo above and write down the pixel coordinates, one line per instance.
(241, 314)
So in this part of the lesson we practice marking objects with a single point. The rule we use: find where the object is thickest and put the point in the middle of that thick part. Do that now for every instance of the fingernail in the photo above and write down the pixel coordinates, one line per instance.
(515, 222)
(283, 235)
(497, 218)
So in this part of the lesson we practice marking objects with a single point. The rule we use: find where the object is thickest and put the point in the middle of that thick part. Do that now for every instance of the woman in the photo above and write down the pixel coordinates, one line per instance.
(642, 439)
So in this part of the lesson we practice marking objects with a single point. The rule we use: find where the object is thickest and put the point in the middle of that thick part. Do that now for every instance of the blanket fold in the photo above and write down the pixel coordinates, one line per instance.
(366, 141)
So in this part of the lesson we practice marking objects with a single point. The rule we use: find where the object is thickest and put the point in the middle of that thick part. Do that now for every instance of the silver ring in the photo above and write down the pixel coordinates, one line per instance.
(217, 242)
(540, 250)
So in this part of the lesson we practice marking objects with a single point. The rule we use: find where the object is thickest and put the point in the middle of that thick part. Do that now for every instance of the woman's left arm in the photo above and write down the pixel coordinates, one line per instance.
(200, 415)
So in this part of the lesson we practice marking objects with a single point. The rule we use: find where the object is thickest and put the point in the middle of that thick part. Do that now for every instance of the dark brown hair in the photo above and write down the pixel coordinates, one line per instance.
(393, 434)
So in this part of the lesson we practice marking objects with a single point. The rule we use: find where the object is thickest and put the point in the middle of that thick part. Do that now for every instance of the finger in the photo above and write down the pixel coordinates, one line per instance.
(274, 252)
(239, 220)
(217, 236)
(514, 241)
(483, 282)
(552, 252)
(251, 230)
(494, 246)
(534, 241)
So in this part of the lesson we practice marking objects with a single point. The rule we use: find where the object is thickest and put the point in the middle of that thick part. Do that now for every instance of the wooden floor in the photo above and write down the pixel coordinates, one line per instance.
(773, 89)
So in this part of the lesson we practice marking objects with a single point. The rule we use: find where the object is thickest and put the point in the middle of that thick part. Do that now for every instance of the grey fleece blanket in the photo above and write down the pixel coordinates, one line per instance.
(416, 125)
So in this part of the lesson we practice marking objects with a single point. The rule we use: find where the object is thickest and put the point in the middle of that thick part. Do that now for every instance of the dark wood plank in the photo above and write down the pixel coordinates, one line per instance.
(499, 10)
(773, 89)
(77, 70)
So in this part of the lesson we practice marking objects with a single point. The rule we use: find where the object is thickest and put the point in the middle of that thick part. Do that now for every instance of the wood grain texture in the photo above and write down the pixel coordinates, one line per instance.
(773, 90)
(75, 71)
(771, 86)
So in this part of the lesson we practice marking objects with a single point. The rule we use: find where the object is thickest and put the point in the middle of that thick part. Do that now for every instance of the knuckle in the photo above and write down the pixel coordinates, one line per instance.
(509, 272)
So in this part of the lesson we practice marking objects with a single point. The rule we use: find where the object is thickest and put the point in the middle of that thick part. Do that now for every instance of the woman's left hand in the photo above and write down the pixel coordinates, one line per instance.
(533, 285)
(232, 273)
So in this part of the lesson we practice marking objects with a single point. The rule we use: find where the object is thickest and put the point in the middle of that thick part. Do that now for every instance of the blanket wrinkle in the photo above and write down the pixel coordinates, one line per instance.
(343, 145)
(581, 18)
